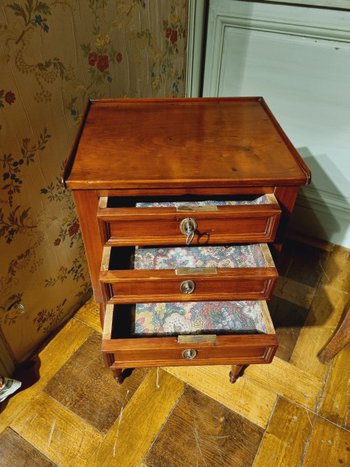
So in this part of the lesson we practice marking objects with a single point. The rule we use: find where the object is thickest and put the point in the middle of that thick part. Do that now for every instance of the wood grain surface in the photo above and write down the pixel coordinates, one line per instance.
(245, 397)
(204, 432)
(16, 451)
(148, 285)
(288, 432)
(99, 403)
(57, 432)
(334, 406)
(128, 441)
(329, 445)
(174, 143)
(72, 336)
(161, 226)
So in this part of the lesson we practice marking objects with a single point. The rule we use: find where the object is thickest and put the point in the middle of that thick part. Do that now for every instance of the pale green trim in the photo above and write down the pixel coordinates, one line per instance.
(224, 14)
(329, 4)
(197, 10)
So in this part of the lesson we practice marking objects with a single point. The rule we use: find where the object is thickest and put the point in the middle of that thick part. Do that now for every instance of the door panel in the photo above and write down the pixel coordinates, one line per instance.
(298, 59)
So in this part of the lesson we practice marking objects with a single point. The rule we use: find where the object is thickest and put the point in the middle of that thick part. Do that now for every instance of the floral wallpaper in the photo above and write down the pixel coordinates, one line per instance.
(54, 55)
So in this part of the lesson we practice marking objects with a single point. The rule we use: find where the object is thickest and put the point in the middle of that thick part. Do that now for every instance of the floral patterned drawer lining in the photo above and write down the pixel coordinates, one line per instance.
(201, 317)
(264, 199)
(247, 256)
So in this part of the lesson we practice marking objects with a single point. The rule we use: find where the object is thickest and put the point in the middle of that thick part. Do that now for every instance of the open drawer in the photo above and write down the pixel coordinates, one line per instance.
(193, 333)
(234, 220)
(233, 272)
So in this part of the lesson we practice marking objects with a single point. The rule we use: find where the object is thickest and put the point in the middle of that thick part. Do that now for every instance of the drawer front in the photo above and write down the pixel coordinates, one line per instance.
(165, 225)
(195, 349)
(158, 286)
(238, 272)
(248, 351)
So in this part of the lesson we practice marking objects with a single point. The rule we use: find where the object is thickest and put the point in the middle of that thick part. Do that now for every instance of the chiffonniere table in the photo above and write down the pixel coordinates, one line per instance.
(182, 205)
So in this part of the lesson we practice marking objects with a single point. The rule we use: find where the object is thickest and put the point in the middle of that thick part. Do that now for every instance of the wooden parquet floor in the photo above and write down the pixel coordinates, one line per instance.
(293, 412)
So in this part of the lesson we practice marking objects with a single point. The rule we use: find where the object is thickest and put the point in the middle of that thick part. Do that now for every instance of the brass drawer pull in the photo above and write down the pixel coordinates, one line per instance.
(189, 354)
(187, 287)
(188, 227)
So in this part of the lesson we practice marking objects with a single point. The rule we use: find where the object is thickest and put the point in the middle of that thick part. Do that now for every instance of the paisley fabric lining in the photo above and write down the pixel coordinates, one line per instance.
(178, 204)
(199, 317)
(233, 256)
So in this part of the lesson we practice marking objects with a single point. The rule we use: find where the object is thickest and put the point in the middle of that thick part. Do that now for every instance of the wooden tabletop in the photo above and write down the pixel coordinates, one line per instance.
(175, 143)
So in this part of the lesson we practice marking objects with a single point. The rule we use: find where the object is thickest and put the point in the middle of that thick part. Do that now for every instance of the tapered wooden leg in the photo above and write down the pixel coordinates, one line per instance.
(121, 374)
(235, 372)
(118, 375)
(339, 339)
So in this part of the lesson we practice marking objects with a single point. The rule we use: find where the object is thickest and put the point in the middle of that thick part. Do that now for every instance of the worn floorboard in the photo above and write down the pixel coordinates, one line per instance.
(204, 432)
(16, 451)
(286, 437)
(90, 315)
(335, 404)
(51, 359)
(288, 381)
(86, 388)
(246, 397)
(329, 446)
(138, 425)
(57, 432)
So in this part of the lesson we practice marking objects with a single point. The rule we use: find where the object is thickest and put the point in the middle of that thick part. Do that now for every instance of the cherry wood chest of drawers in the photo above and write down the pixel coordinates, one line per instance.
(182, 205)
